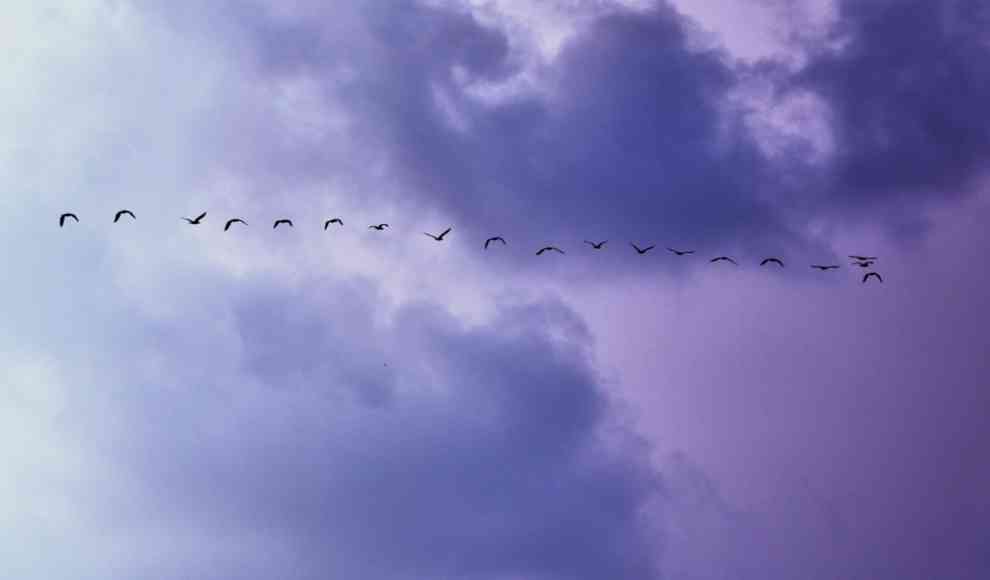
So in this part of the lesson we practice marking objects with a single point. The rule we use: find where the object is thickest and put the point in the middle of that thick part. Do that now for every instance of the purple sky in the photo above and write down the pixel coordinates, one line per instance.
(180, 402)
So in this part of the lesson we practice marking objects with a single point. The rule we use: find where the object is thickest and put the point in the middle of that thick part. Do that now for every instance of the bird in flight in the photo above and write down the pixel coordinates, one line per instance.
(233, 221)
(548, 248)
(337, 221)
(774, 260)
(680, 252)
(824, 268)
(494, 239)
(440, 237)
(63, 217)
(726, 258)
(121, 213)
(868, 274)
(282, 221)
(639, 250)
(863, 258)
(198, 219)
(597, 246)
(863, 263)
(378, 227)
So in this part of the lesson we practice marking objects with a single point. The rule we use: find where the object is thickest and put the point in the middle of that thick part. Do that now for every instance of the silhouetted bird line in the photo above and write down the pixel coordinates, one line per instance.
(121, 213)
(723, 258)
(378, 227)
(327, 223)
(549, 248)
(597, 246)
(639, 250)
(863, 258)
(774, 260)
(62, 218)
(869, 274)
(494, 239)
(196, 221)
(233, 221)
(440, 237)
(282, 221)
(824, 268)
(680, 252)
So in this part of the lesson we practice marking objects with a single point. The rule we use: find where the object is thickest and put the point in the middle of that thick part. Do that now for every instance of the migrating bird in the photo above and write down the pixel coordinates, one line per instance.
(863, 263)
(233, 221)
(597, 246)
(282, 221)
(548, 248)
(62, 218)
(494, 239)
(639, 250)
(726, 258)
(337, 221)
(198, 219)
(863, 258)
(824, 268)
(868, 274)
(680, 252)
(379, 227)
(774, 260)
(120, 214)
(440, 237)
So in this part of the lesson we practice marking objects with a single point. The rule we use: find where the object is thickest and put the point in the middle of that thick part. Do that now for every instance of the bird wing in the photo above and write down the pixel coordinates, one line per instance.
(201, 216)
(445, 232)
(648, 249)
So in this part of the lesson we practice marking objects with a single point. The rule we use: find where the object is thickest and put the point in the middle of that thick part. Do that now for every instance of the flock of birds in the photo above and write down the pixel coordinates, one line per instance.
(861, 261)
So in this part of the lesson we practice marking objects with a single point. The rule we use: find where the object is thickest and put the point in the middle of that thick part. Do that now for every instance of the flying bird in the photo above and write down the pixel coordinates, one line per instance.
(868, 274)
(494, 239)
(680, 252)
(233, 221)
(282, 221)
(378, 227)
(337, 221)
(863, 263)
(774, 260)
(121, 213)
(863, 258)
(597, 246)
(639, 250)
(824, 268)
(198, 219)
(726, 258)
(62, 218)
(440, 237)
(548, 248)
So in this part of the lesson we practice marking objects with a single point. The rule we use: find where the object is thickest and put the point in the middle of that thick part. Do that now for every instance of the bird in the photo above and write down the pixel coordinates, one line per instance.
(597, 246)
(863, 263)
(62, 218)
(863, 258)
(680, 252)
(868, 274)
(494, 239)
(440, 237)
(233, 221)
(282, 221)
(337, 221)
(824, 268)
(378, 227)
(639, 250)
(726, 258)
(198, 219)
(775, 260)
(547, 248)
(120, 214)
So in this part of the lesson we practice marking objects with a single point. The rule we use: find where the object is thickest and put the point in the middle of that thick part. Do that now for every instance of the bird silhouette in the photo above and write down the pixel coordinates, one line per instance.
(62, 218)
(775, 260)
(868, 274)
(282, 221)
(863, 263)
(378, 227)
(639, 250)
(548, 248)
(680, 252)
(198, 219)
(337, 221)
(440, 237)
(863, 258)
(121, 213)
(824, 268)
(233, 221)
(494, 239)
(597, 246)
(725, 258)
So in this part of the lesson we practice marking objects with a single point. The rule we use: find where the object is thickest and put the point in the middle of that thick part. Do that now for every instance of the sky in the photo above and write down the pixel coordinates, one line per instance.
(177, 401)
